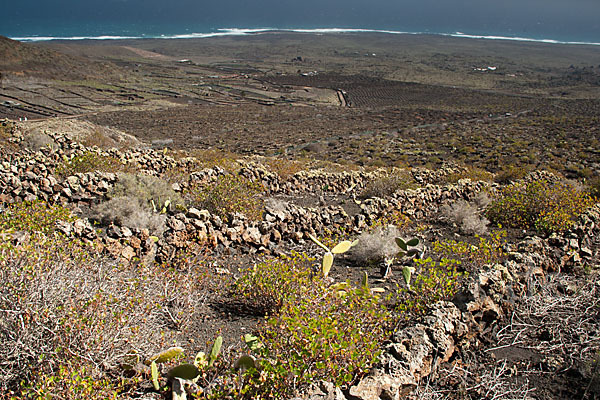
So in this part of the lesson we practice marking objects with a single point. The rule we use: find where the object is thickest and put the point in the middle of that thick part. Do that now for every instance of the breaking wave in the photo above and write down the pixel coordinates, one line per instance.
(254, 31)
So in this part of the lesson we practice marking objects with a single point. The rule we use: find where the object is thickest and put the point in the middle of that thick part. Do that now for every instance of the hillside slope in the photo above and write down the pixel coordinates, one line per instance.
(30, 60)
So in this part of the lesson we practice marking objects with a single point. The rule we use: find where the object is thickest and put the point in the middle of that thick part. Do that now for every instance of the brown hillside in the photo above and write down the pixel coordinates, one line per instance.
(30, 60)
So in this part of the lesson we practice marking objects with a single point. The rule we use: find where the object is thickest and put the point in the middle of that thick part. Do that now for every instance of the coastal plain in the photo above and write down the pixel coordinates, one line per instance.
(369, 99)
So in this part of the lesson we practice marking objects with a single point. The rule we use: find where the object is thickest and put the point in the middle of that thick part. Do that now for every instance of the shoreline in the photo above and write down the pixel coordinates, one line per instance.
(232, 32)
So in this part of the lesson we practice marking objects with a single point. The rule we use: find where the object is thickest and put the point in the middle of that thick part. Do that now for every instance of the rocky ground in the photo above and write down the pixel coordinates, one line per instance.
(526, 326)
(343, 134)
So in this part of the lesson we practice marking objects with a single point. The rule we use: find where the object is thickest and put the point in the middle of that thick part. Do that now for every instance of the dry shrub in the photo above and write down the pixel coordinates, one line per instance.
(466, 216)
(376, 245)
(328, 166)
(511, 173)
(64, 306)
(131, 202)
(105, 138)
(211, 158)
(161, 143)
(473, 173)
(593, 187)
(285, 168)
(132, 213)
(146, 188)
(7, 129)
(36, 140)
(386, 185)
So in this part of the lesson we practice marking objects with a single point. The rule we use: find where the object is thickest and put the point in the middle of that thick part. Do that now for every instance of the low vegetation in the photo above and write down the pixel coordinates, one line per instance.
(230, 194)
(89, 161)
(65, 310)
(386, 185)
(540, 205)
(138, 201)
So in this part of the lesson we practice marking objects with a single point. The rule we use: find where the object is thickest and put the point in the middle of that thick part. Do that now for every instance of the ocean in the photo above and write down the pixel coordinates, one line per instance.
(547, 21)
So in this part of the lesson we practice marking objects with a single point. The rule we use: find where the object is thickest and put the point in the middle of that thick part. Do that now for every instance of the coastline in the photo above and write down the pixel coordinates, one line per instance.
(317, 31)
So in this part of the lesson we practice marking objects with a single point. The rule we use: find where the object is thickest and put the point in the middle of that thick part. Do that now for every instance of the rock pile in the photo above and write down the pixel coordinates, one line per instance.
(28, 176)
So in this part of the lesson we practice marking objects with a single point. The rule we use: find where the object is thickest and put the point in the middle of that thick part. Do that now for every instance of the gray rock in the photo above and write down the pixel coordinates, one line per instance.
(383, 387)
(175, 224)
(252, 235)
(413, 350)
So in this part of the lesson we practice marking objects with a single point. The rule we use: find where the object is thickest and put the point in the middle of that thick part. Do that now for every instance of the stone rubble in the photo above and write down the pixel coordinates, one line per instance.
(415, 352)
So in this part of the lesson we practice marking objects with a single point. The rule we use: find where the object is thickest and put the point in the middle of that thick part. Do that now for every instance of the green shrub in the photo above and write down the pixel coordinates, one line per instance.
(265, 287)
(433, 281)
(321, 335)
(89, 162)
(228, 195)
(471, 256)
(36, 216)
(541, 205)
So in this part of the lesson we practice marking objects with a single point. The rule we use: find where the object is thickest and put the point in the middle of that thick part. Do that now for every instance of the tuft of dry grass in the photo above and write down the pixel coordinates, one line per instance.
(375, 245)
(36, 140)
(386, 185)
(466, 216)
(136, 201)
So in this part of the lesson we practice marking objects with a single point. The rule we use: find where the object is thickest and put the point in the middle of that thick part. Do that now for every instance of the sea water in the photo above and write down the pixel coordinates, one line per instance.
(548, 21)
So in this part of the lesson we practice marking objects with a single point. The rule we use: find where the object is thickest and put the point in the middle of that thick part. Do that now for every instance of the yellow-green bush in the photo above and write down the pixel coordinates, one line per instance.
(228, 195)
(36, 216)
(320, 335)
(69, 382)
(89, 162)
(265, 287)
(541, 205)
(432, 281)
(486, 251)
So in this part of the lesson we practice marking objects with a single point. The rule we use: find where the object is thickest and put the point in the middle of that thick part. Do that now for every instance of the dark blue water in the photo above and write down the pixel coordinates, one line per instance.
(540, 20)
